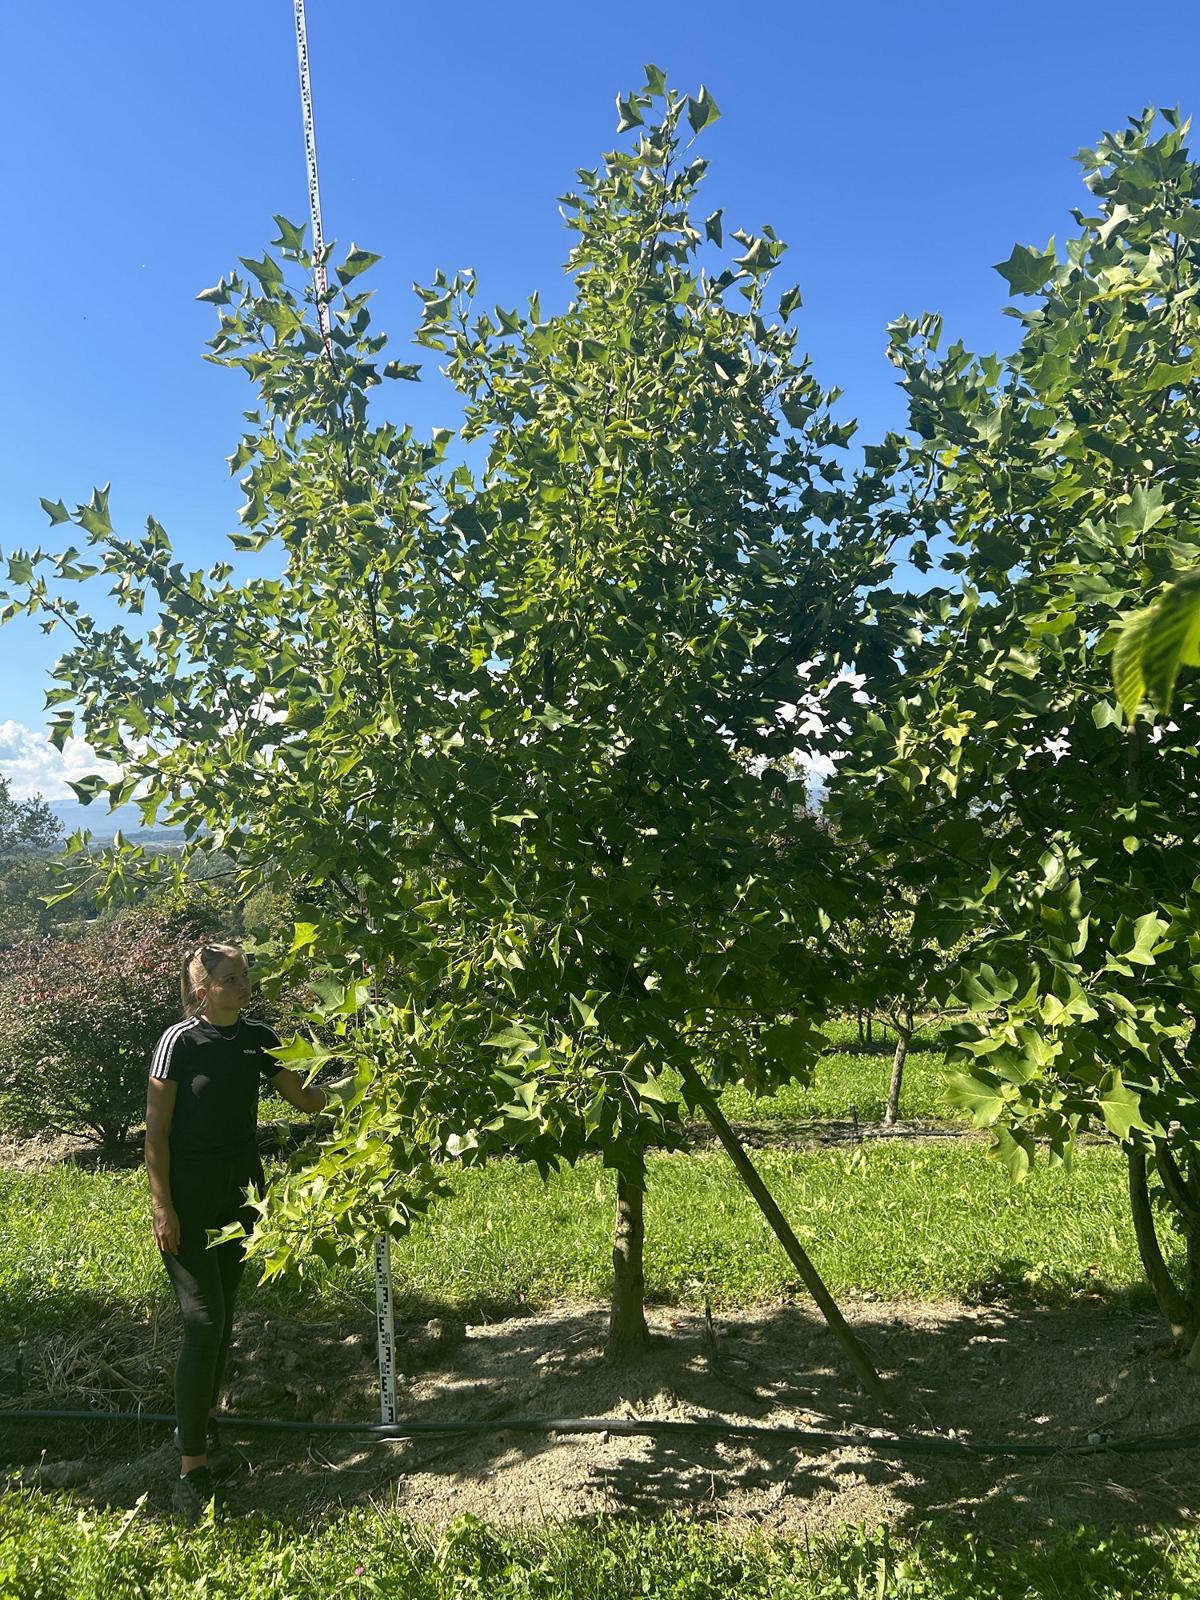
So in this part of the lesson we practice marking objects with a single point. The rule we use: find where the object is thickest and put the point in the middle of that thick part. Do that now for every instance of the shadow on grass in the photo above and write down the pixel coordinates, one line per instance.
(830, 1132)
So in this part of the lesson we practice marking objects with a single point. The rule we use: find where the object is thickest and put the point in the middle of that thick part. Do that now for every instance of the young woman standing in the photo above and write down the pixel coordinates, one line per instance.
(201, 1159)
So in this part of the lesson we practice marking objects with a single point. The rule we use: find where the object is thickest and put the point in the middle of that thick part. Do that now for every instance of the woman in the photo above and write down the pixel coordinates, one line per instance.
(201, 1159)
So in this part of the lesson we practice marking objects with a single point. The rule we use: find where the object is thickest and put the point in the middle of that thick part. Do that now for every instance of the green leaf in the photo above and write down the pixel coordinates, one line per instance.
(409, 371)
(356, 261)
(94, 516)
(789, 301)
(218, 295)
(628, 113)
(1155, 643)
(1016, 1152)
(301, 1052)
(304, 936)
(291, 234)
(656, 80)
(1138, 941)
(88, 788)
(651, 1092)
(512, 1037)
(268, 272)
(713, 229)
(1105, 714)
(584, 1012)
(1120, 1107)
(1144, 510)
(702, 110)
(56, 511)
(980, 1098)
(1026, 270)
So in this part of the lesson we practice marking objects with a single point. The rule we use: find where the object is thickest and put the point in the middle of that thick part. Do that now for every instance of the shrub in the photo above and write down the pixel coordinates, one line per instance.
(79, 1014)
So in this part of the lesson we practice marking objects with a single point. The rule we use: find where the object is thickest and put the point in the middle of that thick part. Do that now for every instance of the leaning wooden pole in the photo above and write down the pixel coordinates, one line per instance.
(796, 1253)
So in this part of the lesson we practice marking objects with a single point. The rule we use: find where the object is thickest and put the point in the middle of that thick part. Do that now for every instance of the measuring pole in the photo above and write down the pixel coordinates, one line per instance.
(385, 1330)
(314, 182)
(385, 1325)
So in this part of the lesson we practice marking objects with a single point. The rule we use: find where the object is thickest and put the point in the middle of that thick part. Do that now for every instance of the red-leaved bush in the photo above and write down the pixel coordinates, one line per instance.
(79, 1016)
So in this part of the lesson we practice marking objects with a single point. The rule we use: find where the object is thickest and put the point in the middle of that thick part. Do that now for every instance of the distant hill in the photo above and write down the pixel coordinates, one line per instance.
(104, 823)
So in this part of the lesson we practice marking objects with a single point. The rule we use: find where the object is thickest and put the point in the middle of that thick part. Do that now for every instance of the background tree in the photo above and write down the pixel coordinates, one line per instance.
(30, 834)
(79, 1013)
(490, 717)
(1062, 482)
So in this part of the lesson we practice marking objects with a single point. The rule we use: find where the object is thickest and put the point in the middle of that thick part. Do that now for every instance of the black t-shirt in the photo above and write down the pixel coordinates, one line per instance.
(217, 1071)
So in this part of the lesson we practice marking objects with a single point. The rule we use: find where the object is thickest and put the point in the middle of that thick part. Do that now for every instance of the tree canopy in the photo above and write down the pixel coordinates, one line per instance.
(1023, 796)
(493, 717)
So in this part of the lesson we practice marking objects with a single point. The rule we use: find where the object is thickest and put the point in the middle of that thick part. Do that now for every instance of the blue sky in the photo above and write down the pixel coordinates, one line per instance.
(900, 149)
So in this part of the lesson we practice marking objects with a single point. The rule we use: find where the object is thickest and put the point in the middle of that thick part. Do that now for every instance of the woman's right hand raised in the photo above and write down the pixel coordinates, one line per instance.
(166, 1230)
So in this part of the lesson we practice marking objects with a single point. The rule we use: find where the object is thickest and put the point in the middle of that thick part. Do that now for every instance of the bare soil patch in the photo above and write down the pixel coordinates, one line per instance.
(996, 1372)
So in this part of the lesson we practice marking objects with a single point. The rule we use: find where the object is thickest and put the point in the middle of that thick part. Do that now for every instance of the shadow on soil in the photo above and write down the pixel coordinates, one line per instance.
(1045, 1375)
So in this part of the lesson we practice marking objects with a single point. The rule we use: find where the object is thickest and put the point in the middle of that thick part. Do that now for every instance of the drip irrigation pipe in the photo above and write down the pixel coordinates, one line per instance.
(887, 1445)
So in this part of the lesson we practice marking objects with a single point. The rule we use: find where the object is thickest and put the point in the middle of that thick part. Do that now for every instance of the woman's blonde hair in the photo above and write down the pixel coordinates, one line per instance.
(199, 964)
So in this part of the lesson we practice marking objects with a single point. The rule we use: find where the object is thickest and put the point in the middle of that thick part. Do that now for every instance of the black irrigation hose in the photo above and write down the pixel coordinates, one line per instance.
(887, 1445)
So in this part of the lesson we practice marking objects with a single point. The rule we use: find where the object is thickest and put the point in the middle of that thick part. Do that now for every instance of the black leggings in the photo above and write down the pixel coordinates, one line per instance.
(207, 1192)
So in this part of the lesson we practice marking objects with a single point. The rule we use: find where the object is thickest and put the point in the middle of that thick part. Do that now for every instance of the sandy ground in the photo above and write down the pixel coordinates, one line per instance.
(989, 1372)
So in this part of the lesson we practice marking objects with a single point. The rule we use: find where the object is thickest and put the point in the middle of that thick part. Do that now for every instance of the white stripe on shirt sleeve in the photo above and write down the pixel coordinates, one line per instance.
(160, 1061)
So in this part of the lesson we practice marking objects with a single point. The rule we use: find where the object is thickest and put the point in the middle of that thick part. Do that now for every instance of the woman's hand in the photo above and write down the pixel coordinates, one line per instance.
(341, 1089)
(166, 1230)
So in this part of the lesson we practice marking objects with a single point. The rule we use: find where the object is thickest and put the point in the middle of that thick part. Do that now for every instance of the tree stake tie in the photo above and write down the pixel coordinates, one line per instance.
(314, 182)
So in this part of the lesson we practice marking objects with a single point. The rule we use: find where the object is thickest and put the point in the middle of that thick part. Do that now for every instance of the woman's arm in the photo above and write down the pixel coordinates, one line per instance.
(160, 1109)
(293, 1089)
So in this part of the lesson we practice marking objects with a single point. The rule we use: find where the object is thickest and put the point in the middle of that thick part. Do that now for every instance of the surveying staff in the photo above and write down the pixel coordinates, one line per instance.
(201, 1159)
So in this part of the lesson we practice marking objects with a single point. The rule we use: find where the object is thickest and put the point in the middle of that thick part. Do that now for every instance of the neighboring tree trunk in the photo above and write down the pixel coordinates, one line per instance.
(1180, 1309)
(904, 1028)
(628, 1335)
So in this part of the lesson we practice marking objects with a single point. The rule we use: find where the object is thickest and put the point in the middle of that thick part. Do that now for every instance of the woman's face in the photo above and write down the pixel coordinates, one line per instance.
(228, 987)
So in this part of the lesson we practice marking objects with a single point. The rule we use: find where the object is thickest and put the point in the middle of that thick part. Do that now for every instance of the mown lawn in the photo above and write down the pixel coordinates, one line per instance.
(846, 1085)
(901, 1219)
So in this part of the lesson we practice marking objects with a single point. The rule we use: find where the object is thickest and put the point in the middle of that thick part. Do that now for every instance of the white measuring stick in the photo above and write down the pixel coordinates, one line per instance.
(385, 1326)
(314, 183)
(384, 1318)
(385, 1329)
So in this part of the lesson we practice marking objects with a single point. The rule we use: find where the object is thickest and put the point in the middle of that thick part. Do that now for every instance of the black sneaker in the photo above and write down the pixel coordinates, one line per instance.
(192, 1494)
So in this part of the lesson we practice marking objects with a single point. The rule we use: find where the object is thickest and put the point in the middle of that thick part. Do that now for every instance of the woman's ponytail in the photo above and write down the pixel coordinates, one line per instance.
(187, 994)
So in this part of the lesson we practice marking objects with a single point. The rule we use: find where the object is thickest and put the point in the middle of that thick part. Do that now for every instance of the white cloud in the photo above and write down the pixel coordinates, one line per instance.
(32, 765)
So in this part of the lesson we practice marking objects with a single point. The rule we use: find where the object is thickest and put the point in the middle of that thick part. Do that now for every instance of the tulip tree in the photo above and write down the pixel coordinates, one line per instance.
(492, 714)
(1054, 489)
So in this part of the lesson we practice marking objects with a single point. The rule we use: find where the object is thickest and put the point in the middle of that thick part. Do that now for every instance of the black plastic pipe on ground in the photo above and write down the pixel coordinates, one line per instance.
(887, 1445)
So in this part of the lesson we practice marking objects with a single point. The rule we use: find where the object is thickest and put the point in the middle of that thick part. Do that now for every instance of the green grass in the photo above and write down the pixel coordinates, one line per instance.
(843, 1085)
(52, 1549)
(927, 1221)
(49, 1548)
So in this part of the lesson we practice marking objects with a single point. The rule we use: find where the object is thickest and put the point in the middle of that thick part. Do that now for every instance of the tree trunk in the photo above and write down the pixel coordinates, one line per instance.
(628, 1336)
(1166, 1292)
(872, 1383)
(903, 1035)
